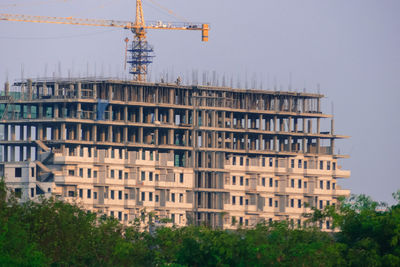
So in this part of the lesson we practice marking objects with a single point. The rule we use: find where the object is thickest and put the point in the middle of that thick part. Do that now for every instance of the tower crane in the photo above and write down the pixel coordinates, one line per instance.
(140, 51)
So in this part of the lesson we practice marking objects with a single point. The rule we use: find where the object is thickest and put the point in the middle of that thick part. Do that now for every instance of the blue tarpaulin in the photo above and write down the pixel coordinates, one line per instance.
(101, 108)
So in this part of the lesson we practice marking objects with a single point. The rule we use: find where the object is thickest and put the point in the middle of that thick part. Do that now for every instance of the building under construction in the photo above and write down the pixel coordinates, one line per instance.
(194, 154)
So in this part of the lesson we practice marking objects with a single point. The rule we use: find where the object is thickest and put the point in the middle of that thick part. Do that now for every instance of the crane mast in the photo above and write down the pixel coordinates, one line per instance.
(141, 52)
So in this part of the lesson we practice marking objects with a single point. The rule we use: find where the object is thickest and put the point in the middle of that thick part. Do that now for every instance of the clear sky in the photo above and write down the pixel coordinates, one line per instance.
(347, 48)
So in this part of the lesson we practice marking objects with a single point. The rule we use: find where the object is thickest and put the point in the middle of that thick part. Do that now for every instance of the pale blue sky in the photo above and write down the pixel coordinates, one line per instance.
(349, 47)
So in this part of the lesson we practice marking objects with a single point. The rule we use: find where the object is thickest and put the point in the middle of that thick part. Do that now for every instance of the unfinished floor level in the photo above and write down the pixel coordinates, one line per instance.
(195, 154)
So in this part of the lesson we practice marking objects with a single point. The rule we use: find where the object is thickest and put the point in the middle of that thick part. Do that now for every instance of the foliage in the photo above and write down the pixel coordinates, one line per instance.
(55, 233)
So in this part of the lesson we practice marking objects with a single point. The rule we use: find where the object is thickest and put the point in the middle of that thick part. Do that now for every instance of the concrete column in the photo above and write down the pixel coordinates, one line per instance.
(102, 135)
(260, 121)
(171, 118)
(246, 122)
(63, 135)
(12, 132)
(94, 133)
(118, 136)
(7, 88)
(126, 96)
(110, 134)
(78, 131)
(55, 89)
(276, 129)
(29, 91)
(156, 134)
(110, 112)
(78, 110)
(214, 119)
(268, 124)
(79, 90)
(72, 90)
(276, 143)
(5, 132)
(56, 111)
(56, 132)
(126, 113)
(156, 115)
(28, 133)
(171, 137)
(290, 143)
(45, 89)
(318, 126)
(140, 115)
(40, 111)
(94, 91)
(171, 95)
(12, 153)
(5, 159)
(231, 120)
(110, 93)
(140, 137)
(28, 153)
(125, 134)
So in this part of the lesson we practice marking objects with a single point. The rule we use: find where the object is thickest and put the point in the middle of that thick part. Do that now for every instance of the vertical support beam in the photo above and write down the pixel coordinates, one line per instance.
(28, 153)
(94, 133)
(56, 88)
(5, 153)
(140, 137)
(56, 111)
(12, 153)
(110, 93)
(5, 132)
(125, 134)
(140, 114)
(7, 88)
(78, 132)
(29, 91)
(94, 91)
(171, 118)
(12, 132)
(63, 134)
(110, 133)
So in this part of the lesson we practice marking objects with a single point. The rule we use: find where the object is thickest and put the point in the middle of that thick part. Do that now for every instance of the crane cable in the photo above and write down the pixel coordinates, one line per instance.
(33, 3)
(169, 12)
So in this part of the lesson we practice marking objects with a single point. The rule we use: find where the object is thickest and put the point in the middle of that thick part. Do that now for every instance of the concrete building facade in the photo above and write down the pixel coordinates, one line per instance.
(194, 154)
